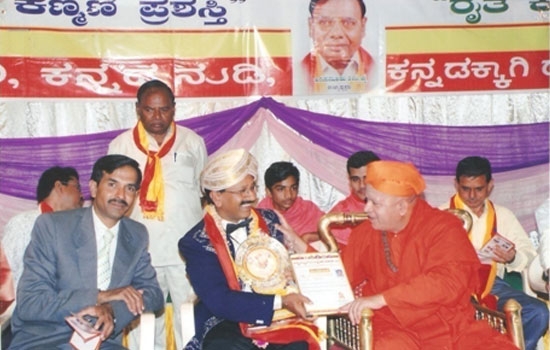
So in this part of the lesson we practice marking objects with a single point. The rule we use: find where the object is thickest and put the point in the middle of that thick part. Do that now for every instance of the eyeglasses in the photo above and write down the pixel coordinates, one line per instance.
(77, 185)
(252, 189)
(327, 23)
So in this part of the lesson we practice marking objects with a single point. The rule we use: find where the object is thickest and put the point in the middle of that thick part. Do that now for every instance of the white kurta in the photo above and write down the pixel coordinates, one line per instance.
(181, 169)
(507, 226)
(17, 235)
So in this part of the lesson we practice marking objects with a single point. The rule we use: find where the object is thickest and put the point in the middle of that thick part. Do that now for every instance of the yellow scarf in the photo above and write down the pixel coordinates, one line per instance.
(490, 230)
(151, 198)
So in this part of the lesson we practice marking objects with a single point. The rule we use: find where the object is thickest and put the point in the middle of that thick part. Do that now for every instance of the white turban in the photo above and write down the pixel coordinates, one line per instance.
(227, 169)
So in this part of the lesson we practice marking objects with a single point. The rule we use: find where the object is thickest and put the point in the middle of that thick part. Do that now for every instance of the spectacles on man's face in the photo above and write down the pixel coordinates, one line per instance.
(73, 184)
(243, 192)
(326, 23)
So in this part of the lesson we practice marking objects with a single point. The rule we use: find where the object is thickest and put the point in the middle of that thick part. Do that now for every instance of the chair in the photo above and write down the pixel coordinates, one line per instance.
(340, 330)
(187, 321)
(147, 331)
(323, 323)
(507, 322)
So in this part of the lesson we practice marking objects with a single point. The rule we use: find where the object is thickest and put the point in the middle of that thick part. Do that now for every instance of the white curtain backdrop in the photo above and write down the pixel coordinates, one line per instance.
(44, 118)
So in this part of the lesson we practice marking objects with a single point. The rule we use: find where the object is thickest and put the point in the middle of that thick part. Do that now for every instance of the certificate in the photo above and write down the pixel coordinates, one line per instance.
(321, 277)
(85, 336)
(487, 253)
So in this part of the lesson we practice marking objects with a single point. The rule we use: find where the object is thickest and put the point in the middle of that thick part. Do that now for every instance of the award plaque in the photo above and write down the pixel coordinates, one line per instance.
(263, 262)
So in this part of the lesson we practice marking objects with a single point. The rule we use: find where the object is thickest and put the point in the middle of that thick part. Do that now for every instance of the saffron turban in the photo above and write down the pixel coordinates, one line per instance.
(227, 169)
(395, 178)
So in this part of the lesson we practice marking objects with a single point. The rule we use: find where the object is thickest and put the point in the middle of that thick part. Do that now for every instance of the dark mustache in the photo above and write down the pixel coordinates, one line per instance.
(119, 201)
(247, 202)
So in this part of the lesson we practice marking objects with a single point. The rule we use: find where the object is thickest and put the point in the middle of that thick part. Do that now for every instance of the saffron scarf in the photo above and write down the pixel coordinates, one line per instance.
(284, 332)
(487, 272)
(151, 197)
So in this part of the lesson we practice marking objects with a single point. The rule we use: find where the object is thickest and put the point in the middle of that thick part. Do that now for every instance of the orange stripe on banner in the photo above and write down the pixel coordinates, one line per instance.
(144, 44)
(526, 37)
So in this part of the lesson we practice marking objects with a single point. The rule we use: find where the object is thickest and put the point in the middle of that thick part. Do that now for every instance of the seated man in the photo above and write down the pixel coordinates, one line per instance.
(282, 180)
(414, 266)
(227, 304)
(58, 189)
(474, 183)
(89, 261)
(355, 202)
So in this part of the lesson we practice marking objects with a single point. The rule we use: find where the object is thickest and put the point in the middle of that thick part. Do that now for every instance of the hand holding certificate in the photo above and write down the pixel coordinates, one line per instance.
(321, 277)
(487, 253)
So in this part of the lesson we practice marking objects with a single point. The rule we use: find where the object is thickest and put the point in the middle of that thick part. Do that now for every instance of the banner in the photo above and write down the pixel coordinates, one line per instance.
(236, 48)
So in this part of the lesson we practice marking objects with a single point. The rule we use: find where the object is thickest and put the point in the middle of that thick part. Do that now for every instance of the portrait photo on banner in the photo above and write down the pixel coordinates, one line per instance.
(336, 48)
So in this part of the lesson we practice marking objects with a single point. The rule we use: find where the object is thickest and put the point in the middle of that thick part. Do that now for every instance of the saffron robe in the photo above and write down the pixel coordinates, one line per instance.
(428, 298)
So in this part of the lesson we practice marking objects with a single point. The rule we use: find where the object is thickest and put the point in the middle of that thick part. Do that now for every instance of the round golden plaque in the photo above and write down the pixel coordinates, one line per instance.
(263, 262)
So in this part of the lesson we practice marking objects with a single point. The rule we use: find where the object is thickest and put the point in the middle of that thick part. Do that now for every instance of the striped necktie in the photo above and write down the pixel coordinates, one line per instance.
(103, 265)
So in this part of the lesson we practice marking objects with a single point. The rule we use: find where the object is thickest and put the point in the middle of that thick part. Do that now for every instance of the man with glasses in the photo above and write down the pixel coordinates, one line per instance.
(228, 303)
(337, 63)
(58, 189)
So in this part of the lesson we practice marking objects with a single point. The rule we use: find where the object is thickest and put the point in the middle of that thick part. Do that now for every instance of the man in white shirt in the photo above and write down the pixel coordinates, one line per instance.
(474, 183)
(171, 158)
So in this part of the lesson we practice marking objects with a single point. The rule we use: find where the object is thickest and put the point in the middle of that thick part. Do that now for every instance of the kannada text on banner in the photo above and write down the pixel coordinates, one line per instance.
(232, 48)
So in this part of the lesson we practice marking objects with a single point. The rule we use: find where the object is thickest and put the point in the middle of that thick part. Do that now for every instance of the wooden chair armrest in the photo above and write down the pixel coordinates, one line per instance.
(510, 319)
(342, 332)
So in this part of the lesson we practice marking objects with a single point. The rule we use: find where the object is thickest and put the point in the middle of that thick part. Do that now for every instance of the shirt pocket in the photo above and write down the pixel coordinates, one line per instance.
(179, 169)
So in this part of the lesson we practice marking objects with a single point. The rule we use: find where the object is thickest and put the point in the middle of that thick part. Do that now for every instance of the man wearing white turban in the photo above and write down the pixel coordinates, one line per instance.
(229, 303)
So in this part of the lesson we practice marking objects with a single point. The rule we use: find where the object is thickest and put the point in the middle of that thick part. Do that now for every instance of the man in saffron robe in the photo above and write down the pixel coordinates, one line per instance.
(337, 62)
(282, 181)
(414, 266)
(474, 183)
(227, 304)
(171, 158)
(58, 189)
(355, 202)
